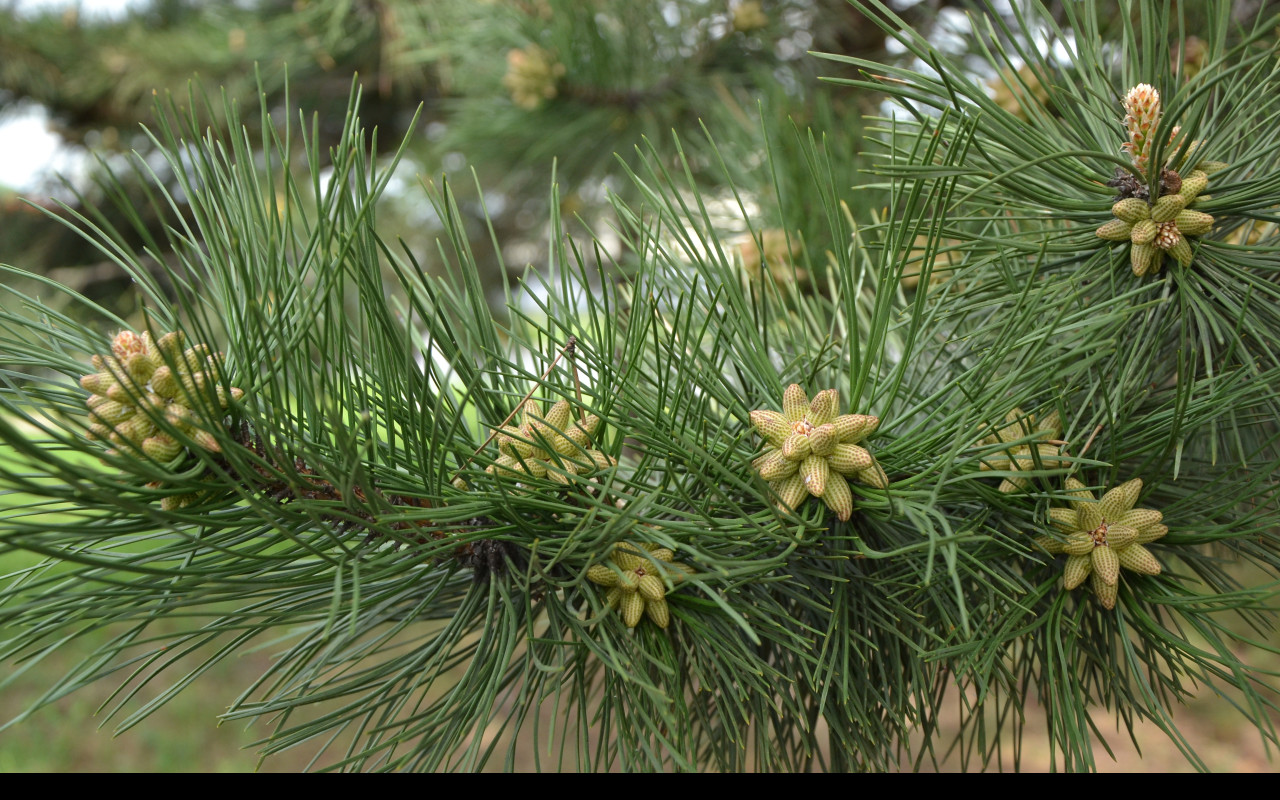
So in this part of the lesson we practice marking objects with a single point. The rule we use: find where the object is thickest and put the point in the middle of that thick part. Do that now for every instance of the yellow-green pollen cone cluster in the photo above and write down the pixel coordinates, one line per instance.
(555, 446)
(1040, 453)
(1164, 226)
(143, 381)
(532, 76)
(812, 450)
(635, 582)
(1103, 536)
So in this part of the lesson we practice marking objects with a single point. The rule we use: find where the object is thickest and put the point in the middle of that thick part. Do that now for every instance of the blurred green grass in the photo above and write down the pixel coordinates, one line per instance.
(183, 736)
(67, 735)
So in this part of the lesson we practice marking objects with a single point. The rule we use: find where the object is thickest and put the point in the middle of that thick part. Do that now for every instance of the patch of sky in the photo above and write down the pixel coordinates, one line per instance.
(97, 9)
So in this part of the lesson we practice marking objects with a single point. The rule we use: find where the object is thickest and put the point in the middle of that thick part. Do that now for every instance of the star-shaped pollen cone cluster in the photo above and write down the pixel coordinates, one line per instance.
(1103, 536)
(1029, 455)
(1164, 226)
(554, 446)
(812, 450)
(144, 381)
(636, 583)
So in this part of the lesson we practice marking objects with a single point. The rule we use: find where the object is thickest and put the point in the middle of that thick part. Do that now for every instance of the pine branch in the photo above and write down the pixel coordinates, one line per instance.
(616, 498)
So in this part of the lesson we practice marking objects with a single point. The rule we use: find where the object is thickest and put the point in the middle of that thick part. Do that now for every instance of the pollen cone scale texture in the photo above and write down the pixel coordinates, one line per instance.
(637, 584)
(144, 382)
(554, 446)
(811, 449)
(1141, 118)
(1029, 455)
(1164, 226)
(1163, 223)
(1104, 536)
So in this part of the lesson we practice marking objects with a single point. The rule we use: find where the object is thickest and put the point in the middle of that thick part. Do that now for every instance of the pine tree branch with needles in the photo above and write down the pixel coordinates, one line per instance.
(577, 530)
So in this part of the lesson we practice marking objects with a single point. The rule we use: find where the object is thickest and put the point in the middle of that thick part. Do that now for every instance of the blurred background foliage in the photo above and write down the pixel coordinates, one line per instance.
(506, 88)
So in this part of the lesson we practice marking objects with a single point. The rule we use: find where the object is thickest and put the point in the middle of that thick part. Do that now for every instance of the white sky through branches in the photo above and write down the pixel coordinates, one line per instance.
(33, 152)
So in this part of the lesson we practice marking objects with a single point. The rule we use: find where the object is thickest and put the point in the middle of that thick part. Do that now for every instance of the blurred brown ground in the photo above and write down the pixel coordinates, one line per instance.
(184, 735)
